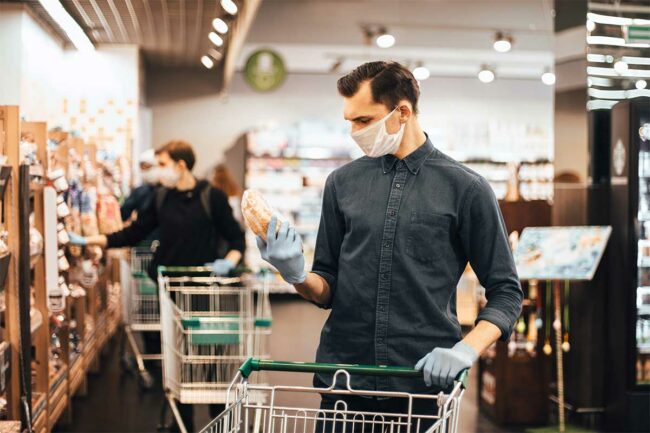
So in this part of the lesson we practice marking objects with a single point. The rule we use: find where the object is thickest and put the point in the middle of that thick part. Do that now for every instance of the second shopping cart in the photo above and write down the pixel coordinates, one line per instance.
(209, 326)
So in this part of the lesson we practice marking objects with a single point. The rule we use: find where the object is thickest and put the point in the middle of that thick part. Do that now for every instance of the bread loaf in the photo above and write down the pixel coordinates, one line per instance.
(257, 212)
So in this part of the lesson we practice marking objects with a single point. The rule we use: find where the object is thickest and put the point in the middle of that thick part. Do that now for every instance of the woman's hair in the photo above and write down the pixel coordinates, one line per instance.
(223, 179)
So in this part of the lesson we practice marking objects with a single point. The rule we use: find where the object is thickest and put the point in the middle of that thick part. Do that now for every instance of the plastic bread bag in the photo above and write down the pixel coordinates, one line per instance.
(257, 212)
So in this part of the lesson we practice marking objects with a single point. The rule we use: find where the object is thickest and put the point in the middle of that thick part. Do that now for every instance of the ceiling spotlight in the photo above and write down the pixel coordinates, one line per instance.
(486, 75)
(216, 39)
(229, 6)
(207, 62)
(385, 39)
(620, 67)
(641, 84)
(421, 72)
(548, 78)
(609, 58)
(502, 43)
(220, 25)
(591, 26)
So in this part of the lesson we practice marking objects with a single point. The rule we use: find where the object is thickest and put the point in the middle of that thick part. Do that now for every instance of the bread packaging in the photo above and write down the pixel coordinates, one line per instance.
(257, 212)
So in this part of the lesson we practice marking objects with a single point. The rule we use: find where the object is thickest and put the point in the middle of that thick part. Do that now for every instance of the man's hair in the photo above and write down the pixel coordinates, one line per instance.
(179, 150)
(390, 83)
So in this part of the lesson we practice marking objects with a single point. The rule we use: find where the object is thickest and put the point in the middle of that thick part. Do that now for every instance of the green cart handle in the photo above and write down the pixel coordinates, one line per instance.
(253, 364)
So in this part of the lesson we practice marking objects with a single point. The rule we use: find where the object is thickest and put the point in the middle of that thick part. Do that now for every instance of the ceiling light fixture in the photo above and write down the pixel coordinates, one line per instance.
(548, 78)
(486, 75)
(229, 6)
(591, 26)
(620, 67)
(207, 62)
(385, 39)
(220, 25)
(63, 19)
(502, 42)
(641, 84)
(421, 72)
(216, 39)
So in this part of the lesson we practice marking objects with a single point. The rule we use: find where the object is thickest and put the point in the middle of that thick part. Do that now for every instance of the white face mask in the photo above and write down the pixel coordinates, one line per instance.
(151, 176)
(169, 177)
(375, 141)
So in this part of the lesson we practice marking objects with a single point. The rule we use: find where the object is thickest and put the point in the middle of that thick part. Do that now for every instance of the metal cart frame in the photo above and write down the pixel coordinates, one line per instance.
(210, 325)
(141, 313)
(246, 415)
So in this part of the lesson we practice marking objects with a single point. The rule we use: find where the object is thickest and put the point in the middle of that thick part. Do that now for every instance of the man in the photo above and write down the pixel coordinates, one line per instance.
(191, 225)
(189, 230)
(398, 227)
(141, 195)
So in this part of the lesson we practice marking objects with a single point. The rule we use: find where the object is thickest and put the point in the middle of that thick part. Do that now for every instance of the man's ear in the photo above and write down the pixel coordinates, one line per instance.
(406, 111)
(182, 164)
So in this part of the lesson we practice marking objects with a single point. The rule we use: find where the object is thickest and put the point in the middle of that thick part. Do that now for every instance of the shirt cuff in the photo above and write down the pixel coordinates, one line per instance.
(331, 281)
(497, 318)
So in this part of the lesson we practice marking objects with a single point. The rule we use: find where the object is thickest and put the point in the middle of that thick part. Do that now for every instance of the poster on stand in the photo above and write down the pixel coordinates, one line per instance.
(561, 253)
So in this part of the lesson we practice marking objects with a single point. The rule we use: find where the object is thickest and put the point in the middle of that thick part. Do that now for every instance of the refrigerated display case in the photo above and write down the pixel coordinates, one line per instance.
(628, 299)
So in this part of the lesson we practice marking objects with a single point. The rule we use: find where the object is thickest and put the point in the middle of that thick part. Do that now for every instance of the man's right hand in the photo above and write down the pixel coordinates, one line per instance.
(284, 251)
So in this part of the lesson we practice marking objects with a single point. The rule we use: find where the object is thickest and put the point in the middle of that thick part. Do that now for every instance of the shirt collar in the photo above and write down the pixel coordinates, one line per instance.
(413, 161)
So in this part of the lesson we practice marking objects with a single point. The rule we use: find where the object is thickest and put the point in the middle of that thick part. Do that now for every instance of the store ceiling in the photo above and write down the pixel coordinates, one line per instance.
(451, 37)
(170, 32)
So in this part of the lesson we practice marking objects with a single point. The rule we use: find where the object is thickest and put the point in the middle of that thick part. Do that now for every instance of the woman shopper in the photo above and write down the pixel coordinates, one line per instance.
(193, 218)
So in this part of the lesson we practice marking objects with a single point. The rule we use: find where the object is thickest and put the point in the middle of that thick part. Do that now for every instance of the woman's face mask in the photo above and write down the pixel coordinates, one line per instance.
(375, 141)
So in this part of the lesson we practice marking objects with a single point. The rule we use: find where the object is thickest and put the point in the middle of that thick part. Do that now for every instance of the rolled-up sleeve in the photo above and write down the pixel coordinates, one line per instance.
(485, 240)
(328, 241)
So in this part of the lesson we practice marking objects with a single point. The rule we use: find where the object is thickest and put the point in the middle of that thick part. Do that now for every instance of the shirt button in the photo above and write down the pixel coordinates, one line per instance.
(387, 244)
(391, 212)
(384, 275)
(397, 185)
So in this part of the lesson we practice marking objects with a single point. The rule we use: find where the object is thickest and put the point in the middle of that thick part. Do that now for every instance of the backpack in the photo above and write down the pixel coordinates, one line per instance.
(161, 193)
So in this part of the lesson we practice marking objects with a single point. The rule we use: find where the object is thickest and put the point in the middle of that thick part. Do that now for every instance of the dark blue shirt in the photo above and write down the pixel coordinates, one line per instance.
(394, 239)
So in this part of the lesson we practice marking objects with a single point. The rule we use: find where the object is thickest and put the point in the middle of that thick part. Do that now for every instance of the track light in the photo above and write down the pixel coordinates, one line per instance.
(220, 25)
(216, 39)
(207, 62)
(591, 26)
(229, 6)
(620, 67)
(486, 75)
(641, 84)
(548, 78)
(502, 42)
(385, 39)
(421, 72)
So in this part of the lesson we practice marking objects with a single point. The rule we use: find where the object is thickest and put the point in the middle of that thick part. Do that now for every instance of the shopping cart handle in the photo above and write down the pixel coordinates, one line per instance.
(253, 364)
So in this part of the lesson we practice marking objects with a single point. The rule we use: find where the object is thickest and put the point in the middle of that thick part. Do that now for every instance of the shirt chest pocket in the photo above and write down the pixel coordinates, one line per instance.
(428, 237)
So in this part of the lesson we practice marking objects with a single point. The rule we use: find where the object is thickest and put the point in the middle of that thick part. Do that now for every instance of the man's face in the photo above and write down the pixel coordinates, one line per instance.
(361, 111)
(170, 170)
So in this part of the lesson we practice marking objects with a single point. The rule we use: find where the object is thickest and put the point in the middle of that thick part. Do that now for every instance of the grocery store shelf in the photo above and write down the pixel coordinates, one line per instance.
(644, 349)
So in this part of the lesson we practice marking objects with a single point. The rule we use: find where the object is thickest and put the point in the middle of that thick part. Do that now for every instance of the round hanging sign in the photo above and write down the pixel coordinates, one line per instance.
(264, 70)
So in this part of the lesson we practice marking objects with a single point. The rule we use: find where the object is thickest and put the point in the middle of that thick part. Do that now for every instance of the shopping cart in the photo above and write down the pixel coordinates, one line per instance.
(210, 326)
(246, 415)
(141, 314)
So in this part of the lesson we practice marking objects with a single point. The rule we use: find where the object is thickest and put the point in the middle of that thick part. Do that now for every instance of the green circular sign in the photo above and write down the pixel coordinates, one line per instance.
(264, 70)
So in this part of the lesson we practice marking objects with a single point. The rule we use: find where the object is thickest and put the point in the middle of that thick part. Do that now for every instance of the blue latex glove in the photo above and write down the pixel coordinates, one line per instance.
(284, 251)
(221, 266)
(441, 366)
(76, 239)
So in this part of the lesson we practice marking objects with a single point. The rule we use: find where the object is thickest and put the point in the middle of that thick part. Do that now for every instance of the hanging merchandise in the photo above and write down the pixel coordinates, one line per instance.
(565, 344)
(547, 307)
(108, 214)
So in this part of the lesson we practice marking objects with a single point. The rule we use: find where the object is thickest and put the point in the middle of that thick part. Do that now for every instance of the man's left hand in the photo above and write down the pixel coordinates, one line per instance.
(221, 266)
(441, 366)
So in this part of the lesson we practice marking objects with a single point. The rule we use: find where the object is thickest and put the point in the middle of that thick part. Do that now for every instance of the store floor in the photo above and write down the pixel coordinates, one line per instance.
(115, 404)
